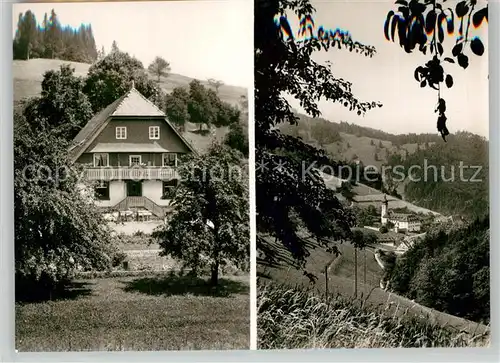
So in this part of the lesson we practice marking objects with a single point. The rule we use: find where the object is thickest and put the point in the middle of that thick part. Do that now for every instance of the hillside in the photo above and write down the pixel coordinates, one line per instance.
(28, 75)
(341, 282)
(365, 196)
(444, 191)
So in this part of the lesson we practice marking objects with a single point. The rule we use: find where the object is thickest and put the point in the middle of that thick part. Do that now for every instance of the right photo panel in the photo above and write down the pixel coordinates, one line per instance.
(371, 171)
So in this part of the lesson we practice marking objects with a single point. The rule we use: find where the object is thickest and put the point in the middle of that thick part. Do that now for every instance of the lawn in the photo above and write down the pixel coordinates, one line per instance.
(154, 312)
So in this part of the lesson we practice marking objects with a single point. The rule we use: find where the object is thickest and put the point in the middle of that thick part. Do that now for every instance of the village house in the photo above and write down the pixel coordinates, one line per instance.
(132, 151)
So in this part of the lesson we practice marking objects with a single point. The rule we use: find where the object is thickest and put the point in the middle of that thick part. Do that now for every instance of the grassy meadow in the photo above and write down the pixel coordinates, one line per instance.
(293, 313)
(155, 312)
(147, 306)
(295, 318)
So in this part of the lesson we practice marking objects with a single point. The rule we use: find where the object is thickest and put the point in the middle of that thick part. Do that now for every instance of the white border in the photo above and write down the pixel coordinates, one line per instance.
(7, 353)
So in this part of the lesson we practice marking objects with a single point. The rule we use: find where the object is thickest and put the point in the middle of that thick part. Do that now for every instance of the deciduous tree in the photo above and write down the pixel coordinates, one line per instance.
(57, 228)
(176, 107)
(159, 67)
(216, 84)
(209, 227)
(284, 65)
(63, 107)
(112, 77)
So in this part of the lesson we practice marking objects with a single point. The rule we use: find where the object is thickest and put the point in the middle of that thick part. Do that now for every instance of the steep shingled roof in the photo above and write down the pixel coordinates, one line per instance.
(133, 103)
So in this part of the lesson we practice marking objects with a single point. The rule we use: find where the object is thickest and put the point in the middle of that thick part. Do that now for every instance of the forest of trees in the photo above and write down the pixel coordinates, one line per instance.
(49, 39)
(322, 132)
(449, 271)
(444, 190)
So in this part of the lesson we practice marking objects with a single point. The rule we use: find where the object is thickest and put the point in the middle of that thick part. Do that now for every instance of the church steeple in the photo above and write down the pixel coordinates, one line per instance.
(384, 211)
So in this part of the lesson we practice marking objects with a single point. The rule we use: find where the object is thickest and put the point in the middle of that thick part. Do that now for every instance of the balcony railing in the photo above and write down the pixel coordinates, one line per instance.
(131, 173)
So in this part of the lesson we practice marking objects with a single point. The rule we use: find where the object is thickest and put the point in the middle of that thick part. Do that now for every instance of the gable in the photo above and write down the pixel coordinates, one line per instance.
(135, 104)
(138, 133)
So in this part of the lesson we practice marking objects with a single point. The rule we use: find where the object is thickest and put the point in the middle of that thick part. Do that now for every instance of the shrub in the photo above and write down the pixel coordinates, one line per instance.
(118, 258)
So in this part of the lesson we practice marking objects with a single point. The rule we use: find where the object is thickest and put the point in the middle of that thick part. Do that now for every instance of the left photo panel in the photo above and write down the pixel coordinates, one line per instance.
(131, 183)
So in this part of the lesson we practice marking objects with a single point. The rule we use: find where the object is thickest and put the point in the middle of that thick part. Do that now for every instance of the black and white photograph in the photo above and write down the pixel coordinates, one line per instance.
(131, 181)
(372, 174)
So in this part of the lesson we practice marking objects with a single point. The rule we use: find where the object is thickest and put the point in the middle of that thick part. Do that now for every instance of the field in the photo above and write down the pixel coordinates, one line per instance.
(370, 297)
(157, 312)
(148, 305)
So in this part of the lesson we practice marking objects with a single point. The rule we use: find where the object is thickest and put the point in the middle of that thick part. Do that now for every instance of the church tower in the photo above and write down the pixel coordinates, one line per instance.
(385, 209)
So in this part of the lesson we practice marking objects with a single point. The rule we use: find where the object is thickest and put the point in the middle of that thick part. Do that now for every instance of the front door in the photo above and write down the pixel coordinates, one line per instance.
(134, 188)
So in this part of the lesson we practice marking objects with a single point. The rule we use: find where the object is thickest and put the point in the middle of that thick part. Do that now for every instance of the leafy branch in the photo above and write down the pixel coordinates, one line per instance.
(289, 203)
(422, 23)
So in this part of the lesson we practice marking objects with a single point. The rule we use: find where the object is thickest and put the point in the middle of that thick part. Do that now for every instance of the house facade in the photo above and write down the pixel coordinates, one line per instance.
(131, 151)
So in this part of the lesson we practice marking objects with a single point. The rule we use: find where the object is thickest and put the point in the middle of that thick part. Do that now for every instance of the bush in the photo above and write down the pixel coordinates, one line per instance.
(383, 229)
(118, 258)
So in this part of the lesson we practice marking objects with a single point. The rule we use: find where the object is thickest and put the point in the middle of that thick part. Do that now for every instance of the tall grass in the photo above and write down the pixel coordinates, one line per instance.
(294, 318)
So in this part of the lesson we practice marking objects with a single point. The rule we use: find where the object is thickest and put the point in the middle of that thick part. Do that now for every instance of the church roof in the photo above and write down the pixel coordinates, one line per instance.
(401, 217)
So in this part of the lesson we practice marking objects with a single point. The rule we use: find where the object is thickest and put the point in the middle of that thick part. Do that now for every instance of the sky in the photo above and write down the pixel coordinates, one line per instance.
(200, 39)
(388, 76)
(213, 39)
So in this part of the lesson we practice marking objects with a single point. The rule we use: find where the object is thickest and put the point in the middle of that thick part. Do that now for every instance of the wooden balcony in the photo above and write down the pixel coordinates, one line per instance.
(133, 173)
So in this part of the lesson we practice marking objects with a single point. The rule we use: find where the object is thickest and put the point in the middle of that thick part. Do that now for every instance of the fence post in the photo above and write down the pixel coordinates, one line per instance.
(364, 270)
(355, 272)
(326, 283)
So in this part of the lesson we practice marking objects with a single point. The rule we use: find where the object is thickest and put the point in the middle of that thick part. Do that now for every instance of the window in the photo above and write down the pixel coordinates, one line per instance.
(102, 190)
(135, 160)
(168, 188)
(154, 132)
(121, 132)
(169, 159)
(101, 159)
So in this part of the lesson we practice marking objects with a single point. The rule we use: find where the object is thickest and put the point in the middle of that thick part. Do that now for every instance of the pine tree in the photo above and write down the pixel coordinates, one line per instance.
(114, 47)
(101, 54)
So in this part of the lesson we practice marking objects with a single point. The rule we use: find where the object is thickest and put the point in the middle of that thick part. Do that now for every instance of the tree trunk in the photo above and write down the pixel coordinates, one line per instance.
(214, 279)
(355, 272)
(201, 126)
